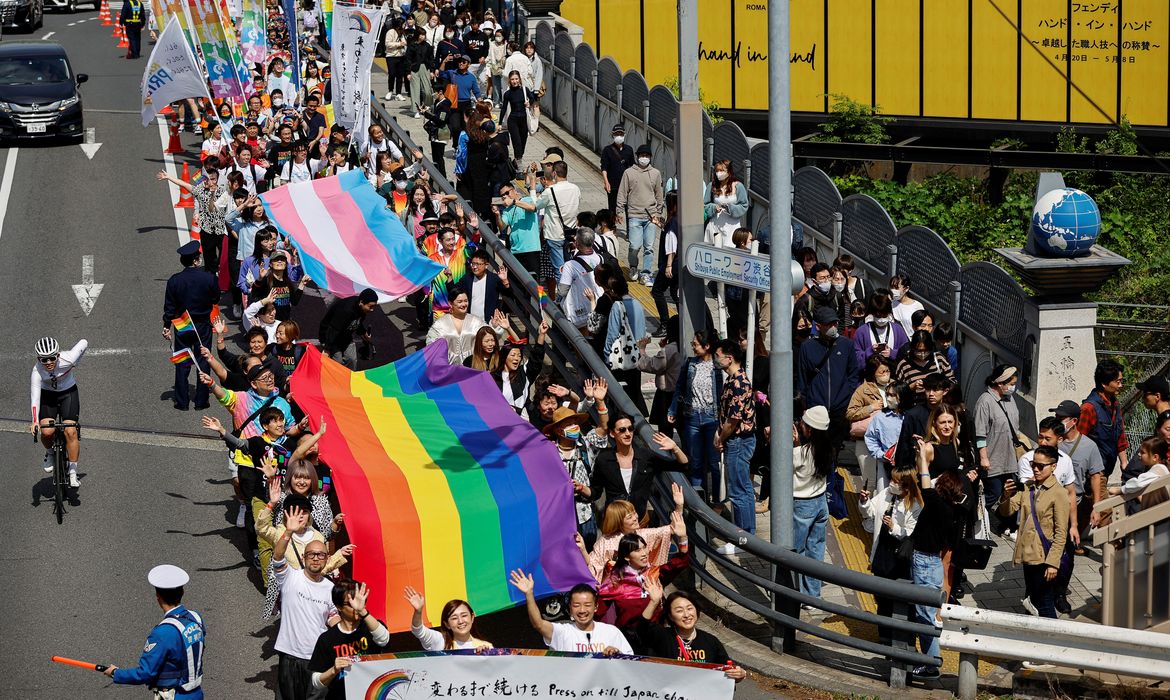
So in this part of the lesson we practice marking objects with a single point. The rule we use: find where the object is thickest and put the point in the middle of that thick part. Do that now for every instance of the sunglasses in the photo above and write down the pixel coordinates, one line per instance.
(48, 360)
(625, 429)
(1041, 465)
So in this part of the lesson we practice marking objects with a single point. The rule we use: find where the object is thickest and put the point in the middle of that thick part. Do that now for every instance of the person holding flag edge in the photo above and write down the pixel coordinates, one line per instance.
(191, 296)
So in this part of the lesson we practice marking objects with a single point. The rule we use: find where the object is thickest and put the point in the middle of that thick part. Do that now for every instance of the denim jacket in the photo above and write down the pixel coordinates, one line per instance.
(682, 388)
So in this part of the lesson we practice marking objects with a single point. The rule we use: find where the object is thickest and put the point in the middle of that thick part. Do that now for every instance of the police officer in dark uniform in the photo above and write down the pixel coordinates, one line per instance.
(133, 18)
(195, 291)
(172, 659)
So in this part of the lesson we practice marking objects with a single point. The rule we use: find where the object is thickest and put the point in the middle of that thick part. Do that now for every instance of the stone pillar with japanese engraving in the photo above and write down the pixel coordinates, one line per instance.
(1061, 263)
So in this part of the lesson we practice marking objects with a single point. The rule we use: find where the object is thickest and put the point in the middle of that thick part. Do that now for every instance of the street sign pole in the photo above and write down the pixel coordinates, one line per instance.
(780, 218)
(692, 306)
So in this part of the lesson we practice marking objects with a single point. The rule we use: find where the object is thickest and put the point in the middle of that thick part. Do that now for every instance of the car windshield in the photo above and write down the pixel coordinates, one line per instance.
(33, 70)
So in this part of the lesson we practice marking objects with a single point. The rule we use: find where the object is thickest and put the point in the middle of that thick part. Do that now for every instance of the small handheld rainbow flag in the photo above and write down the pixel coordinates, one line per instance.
(182, 358)
(542, 296)
(184, 324)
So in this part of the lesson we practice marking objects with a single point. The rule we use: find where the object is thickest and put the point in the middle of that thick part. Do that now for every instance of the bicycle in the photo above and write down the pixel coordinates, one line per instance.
(60, 464)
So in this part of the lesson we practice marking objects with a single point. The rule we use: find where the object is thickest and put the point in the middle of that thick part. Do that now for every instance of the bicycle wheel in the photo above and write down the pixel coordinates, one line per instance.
(59, 482)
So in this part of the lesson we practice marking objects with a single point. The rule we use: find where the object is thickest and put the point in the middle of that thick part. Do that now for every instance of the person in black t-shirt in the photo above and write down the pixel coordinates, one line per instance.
(357, 634)
(681, 639)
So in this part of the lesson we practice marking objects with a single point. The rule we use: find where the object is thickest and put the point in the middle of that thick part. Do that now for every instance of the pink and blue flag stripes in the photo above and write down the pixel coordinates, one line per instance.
(347, 239)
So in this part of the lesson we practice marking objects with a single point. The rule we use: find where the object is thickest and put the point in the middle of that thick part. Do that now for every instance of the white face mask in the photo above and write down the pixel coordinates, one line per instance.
(499, 40)
(839, 287)
(896, 294)
(400, 186)
(459, 24)
(619, 139)
(643, 161)
(882, 322)
(449, 35)
(1009, 390)
(721, 175)
(277, 103)
(824, 287)
(896, 488)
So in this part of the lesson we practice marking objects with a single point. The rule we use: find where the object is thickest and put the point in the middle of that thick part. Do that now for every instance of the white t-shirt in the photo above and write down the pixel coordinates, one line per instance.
(902, 314)
(1064, 468)
(568, 198)
(305, 607)
(373, 149)
(567, 636)
(479, 296)
(299, 172)
(432, 640)
(578, 279)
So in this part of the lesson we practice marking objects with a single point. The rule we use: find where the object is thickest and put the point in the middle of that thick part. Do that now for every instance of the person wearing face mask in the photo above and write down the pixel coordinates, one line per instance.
(725, 204)
(884, 431)
(577, 450)
(879, 335)
(640, 207)
(802, 325)
(1087, 467)
(904, 305)
(828, 373)
(921, 360)
(616, 158)
(497, 55)
(997, 421)
(867, 401)
(822, 295)
(892, 512)
(519, 63)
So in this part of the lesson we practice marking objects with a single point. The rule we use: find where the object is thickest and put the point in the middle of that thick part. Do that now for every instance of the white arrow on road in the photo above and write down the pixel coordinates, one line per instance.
(87, 292)
(89, 146)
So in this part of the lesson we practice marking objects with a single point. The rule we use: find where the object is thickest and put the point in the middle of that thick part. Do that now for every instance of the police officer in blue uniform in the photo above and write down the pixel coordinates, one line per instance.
(172, 660)
(195, 291)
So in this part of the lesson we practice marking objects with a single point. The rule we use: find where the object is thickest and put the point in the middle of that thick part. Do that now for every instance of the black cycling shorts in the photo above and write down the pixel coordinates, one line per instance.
(61, 405)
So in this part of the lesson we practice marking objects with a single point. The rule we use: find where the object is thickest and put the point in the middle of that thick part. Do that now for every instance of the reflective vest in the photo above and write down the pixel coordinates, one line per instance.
(188, 676)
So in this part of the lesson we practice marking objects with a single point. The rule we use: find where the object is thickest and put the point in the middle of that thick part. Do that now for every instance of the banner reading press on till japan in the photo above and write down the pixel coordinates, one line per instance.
(513, 673)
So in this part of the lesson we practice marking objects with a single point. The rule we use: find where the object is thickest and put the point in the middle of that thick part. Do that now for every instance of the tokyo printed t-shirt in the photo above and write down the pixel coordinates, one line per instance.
(567, 636)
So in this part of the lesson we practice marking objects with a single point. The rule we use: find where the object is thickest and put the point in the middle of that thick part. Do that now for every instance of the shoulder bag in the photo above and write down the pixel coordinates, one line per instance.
(1019, 440)
(892, 556)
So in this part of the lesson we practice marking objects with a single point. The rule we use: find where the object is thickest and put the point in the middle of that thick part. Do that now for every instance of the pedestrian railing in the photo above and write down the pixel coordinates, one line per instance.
(1135, 559)
(574, 360)
(1085, 646)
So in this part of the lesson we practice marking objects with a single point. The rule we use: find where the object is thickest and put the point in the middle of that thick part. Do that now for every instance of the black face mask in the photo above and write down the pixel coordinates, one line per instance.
(803, 332)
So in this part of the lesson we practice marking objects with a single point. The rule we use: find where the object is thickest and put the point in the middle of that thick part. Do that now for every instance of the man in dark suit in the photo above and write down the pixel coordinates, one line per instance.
(626, 471)
(483, 288)
(195, 292)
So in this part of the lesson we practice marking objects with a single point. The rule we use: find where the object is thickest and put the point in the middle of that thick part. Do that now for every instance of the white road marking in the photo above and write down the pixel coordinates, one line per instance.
(71, 24)
(9, 425)
(90, 146)
(47, 35)
(6, 184)
(87, 292)
(172, 188)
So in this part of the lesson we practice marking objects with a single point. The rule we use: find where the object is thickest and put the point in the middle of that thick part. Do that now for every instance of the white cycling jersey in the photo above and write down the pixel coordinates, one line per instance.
(62, 377)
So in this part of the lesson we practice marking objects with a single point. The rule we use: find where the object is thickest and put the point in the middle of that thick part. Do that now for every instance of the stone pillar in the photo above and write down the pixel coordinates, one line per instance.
(1064, 356)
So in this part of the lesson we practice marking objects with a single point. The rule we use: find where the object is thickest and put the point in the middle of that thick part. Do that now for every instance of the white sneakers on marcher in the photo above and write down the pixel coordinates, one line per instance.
(74, 482)
(240, 516)
(48, 465)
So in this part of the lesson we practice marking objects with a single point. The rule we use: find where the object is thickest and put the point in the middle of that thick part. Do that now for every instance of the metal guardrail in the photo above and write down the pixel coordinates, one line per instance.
(574, 359)
(975, 632)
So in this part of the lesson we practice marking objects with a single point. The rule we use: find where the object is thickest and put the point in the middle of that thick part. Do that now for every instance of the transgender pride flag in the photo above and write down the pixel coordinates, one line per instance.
(347, 238)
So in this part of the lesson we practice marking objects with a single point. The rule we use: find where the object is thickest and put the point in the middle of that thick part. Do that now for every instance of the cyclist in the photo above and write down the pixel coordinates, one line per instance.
(54, 397)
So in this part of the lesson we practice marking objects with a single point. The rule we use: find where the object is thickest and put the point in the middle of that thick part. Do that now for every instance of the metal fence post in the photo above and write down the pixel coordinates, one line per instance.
(573, 93)
(747, 173)
(893, 251)
(596, 111)
(838, 219)
(968, 676)
(621, 110)
(710, 152)
(956, 288)
(552, 74)
(646, 119)
(783, 636)
(899, 611)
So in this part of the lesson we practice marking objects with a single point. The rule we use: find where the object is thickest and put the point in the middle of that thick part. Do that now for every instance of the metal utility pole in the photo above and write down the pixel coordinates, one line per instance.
(780, 219)
(688, 141)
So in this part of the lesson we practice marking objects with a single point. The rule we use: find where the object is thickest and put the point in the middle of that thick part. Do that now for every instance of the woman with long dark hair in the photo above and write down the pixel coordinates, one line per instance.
(485, 354)
(812, 462)
(456, 625)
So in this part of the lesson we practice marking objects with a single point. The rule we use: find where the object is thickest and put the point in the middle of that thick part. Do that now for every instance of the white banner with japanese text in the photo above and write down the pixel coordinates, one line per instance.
(512, 673)
(172, 73)
(355, 39)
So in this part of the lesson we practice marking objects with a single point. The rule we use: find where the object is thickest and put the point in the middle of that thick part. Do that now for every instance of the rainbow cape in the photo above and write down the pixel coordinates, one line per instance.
(444, 488)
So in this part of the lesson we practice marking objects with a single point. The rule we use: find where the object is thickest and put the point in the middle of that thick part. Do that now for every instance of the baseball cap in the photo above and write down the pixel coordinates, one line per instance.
(1066, 409)
(1155, 385)
(825, 315)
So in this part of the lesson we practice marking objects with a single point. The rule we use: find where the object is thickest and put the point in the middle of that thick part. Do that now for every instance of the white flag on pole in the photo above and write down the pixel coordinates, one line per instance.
(171, 74)
(355, 38)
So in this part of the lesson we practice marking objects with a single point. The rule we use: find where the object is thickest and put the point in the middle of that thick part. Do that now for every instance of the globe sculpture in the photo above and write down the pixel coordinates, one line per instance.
(1065, 223)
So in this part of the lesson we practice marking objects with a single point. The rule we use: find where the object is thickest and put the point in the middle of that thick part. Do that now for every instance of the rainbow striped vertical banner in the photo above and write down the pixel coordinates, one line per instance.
(443, 486)
(215, 36)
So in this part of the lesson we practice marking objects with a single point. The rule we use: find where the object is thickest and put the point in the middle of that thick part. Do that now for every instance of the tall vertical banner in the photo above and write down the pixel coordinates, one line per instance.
(289, 9)
(355, 39)
(229, 77)
(172, 73)
(514, 673)
(254, 32)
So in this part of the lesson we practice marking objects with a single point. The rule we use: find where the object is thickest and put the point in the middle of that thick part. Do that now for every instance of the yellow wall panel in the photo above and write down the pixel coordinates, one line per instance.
(621, 33)
(717, 51)
(661, 18)
(1145, 36)
(808, 41)
(584, 15)
(897, 51)
(944, 58)
(1043, 47)
(1094, 52)
(993, 59)
(850, 59)
(751, 38)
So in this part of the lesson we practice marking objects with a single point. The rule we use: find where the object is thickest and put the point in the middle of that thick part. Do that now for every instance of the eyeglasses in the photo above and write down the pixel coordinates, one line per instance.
(47, 360)
(624, 429)
(316, 555)
(265, 378)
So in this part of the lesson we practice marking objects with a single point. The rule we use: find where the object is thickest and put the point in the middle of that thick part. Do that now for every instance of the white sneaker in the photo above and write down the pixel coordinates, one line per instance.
(1027, 603)
(48, 465)
(74, 482)
(390, 96)
(729, 549)
(647, 279)
(1038, 666)
(240, 516)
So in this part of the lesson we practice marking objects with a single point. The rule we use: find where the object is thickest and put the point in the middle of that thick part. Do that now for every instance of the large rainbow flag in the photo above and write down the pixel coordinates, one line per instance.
(444, 488)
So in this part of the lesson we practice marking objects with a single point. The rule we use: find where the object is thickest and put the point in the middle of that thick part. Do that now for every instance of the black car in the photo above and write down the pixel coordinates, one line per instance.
(26, 15)
(38, 91)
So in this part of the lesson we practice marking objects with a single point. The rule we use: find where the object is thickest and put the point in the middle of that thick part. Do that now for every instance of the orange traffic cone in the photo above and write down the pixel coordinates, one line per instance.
(118, 29)
(176, 144)
(195, 230)
(186, 201)
(104, 14)
(122, 42)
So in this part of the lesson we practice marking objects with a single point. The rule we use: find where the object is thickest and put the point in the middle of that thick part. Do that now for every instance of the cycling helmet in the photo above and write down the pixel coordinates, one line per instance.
(47, 347)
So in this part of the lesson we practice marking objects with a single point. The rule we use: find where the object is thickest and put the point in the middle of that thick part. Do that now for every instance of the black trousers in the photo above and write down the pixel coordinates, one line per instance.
(518, 135)
(234, 270)
(211, 246)
(438, 149)
(395, 74)
(663, 284)
(455, 123)
(183, 372)
(134, 38)
(251, 486)
(631, 379)
(293, 679)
